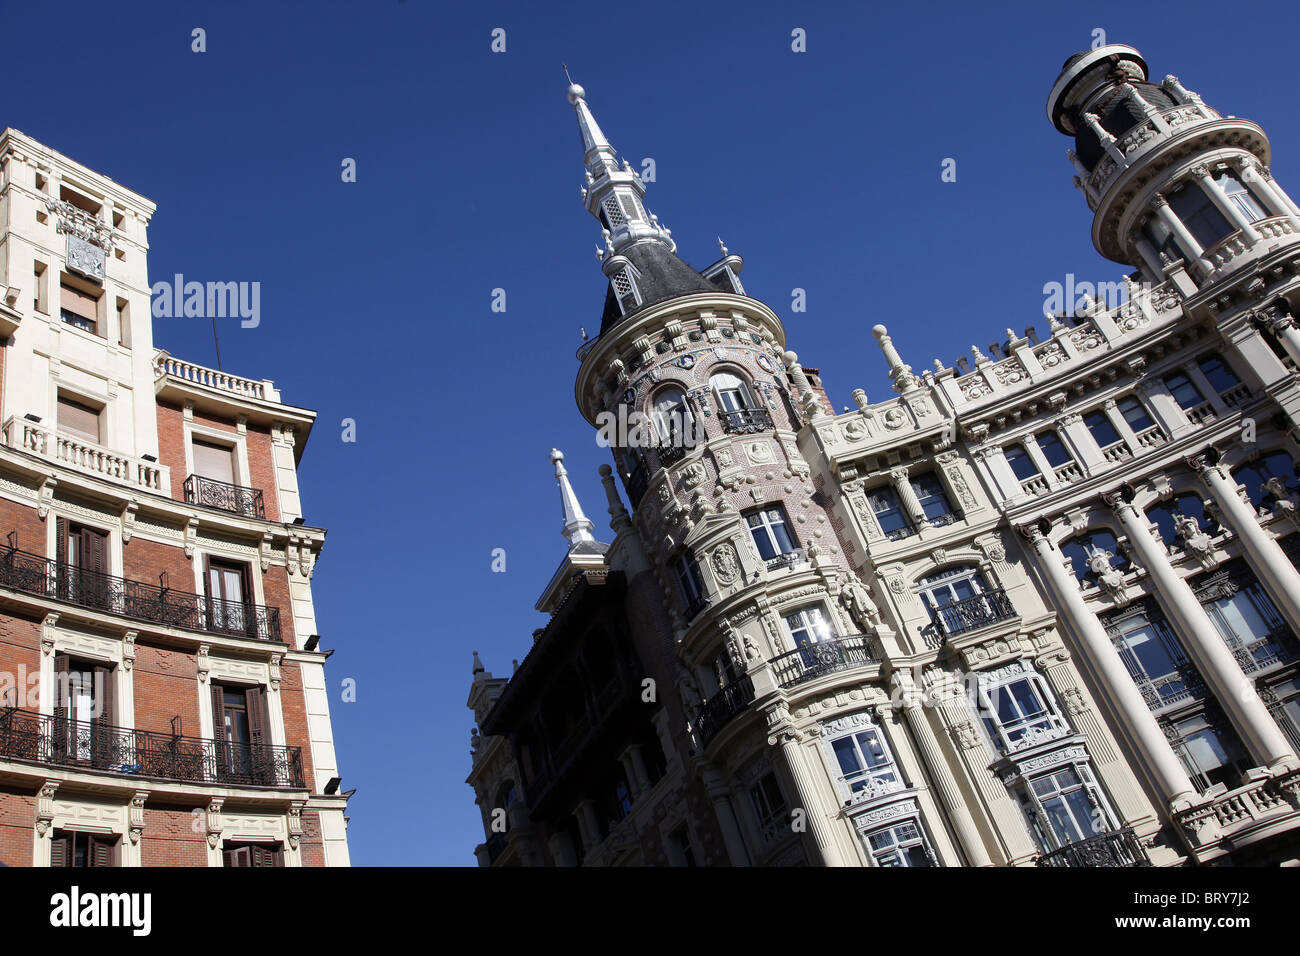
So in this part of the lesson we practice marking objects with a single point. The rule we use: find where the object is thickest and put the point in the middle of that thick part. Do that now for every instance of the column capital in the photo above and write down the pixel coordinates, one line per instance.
(1158, 201)
(1035, 531)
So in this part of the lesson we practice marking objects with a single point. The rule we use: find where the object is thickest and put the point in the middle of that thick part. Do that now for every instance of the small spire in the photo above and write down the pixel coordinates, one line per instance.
(577, 526)
(722, 246)
(478, 665)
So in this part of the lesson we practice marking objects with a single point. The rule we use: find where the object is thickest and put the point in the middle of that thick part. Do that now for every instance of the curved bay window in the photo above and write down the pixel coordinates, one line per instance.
(771, 533)
(1240, 195)
(674, 425)
(688, 578)
(737, 409)
(1198, 213)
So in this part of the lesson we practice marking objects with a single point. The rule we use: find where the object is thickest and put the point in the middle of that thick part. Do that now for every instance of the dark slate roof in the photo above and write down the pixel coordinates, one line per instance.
(1120, 115)
(663, 277)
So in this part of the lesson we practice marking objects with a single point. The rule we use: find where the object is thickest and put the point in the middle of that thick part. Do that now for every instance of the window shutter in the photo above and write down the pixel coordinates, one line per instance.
(94, 551)
(214, 461)
(61, 665)
(61, 556)
(228, 858)
(263, 856)
(61, 851)
(257, 716)
(101, 851)
(218, 712)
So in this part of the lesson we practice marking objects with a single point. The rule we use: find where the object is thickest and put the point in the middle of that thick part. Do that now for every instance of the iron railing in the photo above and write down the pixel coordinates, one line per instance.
(822, 657)
(61, 581)
(786, 560)
(224, 496)
(695, 607)
(93, 745)
(722, 706)
(987, 607)
(744, 421)
(1116, 848)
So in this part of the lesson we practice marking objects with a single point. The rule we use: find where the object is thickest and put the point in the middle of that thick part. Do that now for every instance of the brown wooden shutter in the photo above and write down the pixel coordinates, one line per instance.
(61, 851)
(61, 665)
(101, 851)
(258, 718)
(218, 712)
(94, 551)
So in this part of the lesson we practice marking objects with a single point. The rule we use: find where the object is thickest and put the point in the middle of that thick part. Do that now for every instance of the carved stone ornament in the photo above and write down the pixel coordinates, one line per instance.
(694, 474)
(1109, 579)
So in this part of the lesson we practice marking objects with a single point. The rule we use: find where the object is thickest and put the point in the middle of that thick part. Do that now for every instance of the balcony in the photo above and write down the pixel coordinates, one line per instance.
(81, 455)
(159, 604)
(721, 707)
(745, 421)
(224, 496)
(786, 560)
(972, 613)
(1117, 848)
(191, 373)
(1152, 437)
(694, 608)
(824, 657)
(104, 748)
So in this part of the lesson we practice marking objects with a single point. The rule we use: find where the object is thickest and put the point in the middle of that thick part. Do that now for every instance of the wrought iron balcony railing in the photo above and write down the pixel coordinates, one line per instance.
(92, 745)
(787, 559)
(61, 581)
(987, 607)
(824, 657)
(722, 706)
(1116, 848)
(694, 608)
(224, 496)
(744, 421)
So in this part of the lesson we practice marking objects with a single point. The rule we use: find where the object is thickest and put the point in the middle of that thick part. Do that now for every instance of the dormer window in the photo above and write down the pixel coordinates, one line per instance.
(614, 216)
(625, 287)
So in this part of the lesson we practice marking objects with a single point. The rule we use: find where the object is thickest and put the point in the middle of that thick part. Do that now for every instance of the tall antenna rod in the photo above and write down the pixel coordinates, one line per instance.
(566, 73)
(216, 341)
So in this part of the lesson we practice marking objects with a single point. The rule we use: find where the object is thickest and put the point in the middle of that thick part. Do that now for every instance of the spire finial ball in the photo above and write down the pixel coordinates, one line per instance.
(576, 93)
(880, 331)
(557, 456)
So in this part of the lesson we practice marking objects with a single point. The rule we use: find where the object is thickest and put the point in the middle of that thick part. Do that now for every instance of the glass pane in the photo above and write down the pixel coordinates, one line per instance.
(1053, 450)
(1135, 414)
(1022, 466)
(1183, 391)
(1103, 432)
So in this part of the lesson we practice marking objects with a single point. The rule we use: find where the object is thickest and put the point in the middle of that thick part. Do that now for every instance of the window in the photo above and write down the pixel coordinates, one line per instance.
(1210, 751)
(1162, 238)
(673, 421)
(83, 565)
(865, 763)
(1217, 373)
(1018, 712)
(769, 805)
(1066, 806)
(1199, 214)
(893, 520)
(252, 854)
(1240, 196)
(903, 844)
(229, 604)
(1135, 414)
(78, 419)
(1184, 392)
(1049, 443)
(83, 713)
(214, 461)
(1155, 659)
(808, 626)
(1245, 618)
(771, 532)
(1255, 475)
(70, 848)
(1101, 429)
(79, 303)
(934, 501)
(1022, 466)
(241, 723)
(688, 578)
(732, 393)
(1283, 700)
(722, 670)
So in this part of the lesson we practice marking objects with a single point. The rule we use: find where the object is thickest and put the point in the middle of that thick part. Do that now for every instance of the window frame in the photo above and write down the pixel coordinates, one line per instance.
(768, 526)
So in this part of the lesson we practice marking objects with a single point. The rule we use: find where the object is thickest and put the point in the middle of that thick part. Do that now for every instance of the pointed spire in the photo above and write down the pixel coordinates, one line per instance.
(478, 666)
(577, 526)
(613, 191)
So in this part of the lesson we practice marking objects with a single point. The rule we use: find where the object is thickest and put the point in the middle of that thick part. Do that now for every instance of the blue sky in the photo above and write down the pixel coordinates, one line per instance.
(822, 169)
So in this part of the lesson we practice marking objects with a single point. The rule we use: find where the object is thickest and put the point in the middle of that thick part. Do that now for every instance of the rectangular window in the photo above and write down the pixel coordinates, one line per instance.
(934, 501)
(79, 420)
(229, 602)
(79, 304)
(1240, 196)
(688, 577)
(1071, 806)
(770, 531)
(1049, 443)
(808, 626)
(1102, 431)
(1022, 466)
(769, 805)
(1199, 214)
(1184, 392)
(1210, 751)
(70, 848)
(1018, 713)
(1135, 414)
(252, 854)
(241, 722)
(893, 520)
(865, 762)
(903, 844)
(83, 565)
(1155, 659)
(214, 461)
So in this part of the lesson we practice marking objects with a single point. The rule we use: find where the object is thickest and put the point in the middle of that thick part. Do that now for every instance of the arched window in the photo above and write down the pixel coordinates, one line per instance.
(1254, 475)
(731, 391)
(961, 599)
(1165, 517)
(1240, 195)
(672, 419)
(1080, 549)
(1190, 203)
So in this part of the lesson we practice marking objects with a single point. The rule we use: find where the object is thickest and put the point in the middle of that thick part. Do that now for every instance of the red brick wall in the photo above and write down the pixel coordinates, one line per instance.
(143, 560)
(17, 826)
(20, 658)
(312, 845)
(166, 684)
(170, 838)
(293, 706)
(257, 439)
(275, 585)
(24, 520)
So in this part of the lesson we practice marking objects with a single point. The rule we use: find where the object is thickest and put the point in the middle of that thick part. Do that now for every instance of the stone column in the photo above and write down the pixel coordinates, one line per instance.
(1213, 659)
(1283, 326)
(562, 851)
(1255, 175)
(1160, 206)
(1166, 769)
(805, 792)
(715, 785)
(940, 774)
(907, 495)
(1224, 204)
(1265, 556)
